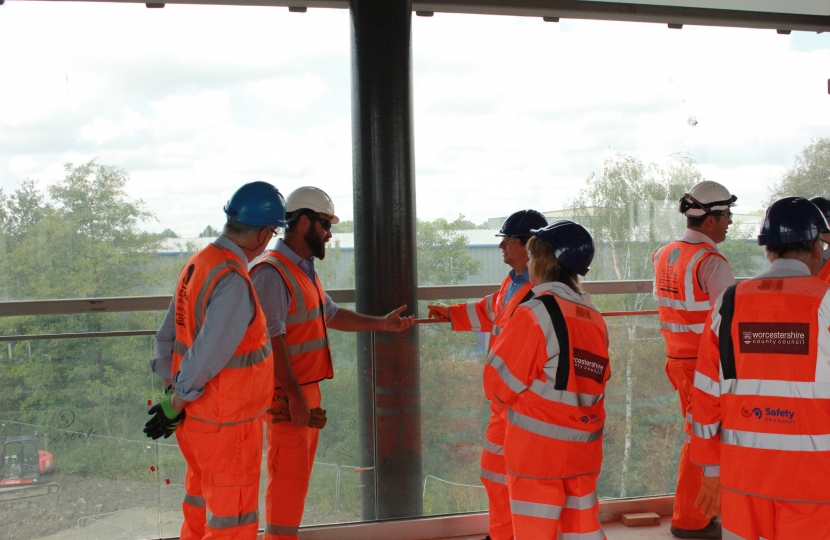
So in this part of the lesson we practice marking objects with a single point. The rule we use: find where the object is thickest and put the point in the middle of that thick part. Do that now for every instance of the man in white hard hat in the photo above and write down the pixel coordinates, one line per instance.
(299, 314)
(690, 274)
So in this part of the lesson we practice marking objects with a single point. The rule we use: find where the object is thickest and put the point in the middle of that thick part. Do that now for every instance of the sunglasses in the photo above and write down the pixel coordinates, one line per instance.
(325, 223)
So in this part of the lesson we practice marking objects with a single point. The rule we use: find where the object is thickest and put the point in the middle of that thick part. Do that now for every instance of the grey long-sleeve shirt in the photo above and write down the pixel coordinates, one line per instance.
(229, 312)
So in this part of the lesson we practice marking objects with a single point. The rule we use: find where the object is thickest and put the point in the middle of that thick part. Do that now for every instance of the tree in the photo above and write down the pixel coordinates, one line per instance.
(209, 232)
(443, 258)
(169, 233)
(810, 174)
(631, 209)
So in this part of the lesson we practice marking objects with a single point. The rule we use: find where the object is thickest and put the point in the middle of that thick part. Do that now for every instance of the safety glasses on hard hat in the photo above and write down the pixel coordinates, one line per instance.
(692, 202)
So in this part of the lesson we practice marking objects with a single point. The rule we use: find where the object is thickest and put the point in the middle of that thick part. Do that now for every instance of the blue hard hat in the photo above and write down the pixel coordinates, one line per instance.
(790, 220)
(520, 223)
(572, 244)
(823, 205)
(259, 204)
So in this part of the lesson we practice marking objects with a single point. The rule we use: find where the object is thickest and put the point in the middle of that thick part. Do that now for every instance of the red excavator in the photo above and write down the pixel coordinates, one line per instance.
(22, 468)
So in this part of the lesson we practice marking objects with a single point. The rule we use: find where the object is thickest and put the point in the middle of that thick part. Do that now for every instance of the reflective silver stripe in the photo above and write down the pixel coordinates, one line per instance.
(687, 437)
(707, 385)
(194, 500)
(787, 389)
(180, 348)
(543, 318)
(489, 305)
(199, 309)
(282, 530)
(191, 417)
(472, 314)
(681, 305)
(250, 359)
(690, 277)
(299, 299)
(546, 511)
(729, 535)
(585, 502)
(705, 431)
(494, 477)
(674, 327)
(496, 330)
(493, 448)
(501, 368)
(308, 346)
(305, 316)
(227, 522)
(546, 391)
(596, 535)
(552, 430)
(776, 441)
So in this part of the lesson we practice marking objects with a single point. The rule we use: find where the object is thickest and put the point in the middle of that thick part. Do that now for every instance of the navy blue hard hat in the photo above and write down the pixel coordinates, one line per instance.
(522, 222)
(790, 220)
(572, 244)
(823, 205)
(259, 204)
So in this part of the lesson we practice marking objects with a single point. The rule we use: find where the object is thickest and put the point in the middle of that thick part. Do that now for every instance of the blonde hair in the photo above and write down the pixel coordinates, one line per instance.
(546, 268)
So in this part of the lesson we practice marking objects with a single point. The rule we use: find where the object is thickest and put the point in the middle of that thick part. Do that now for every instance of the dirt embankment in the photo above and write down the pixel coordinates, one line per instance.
(87, 497)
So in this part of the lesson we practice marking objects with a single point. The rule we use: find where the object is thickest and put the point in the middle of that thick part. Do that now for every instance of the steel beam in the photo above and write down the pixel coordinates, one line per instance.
(386, 273)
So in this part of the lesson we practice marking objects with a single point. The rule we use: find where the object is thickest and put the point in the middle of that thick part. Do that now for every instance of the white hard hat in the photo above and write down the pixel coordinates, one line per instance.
(706, 197)
(312, 198)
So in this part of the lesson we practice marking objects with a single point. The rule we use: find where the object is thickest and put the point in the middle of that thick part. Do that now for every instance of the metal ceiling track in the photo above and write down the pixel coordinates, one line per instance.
(554, 10)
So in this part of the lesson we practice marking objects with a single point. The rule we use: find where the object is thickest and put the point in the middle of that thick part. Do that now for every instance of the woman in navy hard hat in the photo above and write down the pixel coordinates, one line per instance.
(549, 368)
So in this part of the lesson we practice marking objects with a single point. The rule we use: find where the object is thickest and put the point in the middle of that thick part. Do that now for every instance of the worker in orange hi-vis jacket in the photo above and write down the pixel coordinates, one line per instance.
(690, 273)
(761, 417)
(490, 315)
(214, 353)
(549, 368)
(299, 314)
(824, 205)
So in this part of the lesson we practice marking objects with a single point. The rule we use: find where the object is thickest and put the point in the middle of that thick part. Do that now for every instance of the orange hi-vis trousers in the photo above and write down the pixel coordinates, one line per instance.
(494, 475)
(681, 374)
(222, 480)
(747, 517)
(291, 452)
(555, 509)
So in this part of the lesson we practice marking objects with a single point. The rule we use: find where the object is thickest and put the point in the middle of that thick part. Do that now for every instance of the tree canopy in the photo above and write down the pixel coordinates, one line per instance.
(810, 174)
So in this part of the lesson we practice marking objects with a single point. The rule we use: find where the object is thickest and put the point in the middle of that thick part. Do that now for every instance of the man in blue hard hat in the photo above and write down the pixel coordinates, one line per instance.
(214, 356)
(761, 415)
(489, 315)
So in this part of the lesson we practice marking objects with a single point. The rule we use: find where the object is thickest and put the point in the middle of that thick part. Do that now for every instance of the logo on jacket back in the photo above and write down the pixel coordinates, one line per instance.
(774, 337)
(590, 365)
(674, 255)
(768, 414)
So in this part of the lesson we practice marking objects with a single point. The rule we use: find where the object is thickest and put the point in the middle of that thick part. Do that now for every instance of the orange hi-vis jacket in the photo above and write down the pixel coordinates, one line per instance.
(305, 326)
(824, 274)
(681, 302)
(250, 370)
(550, 366)
(762, 390)
(490, 313)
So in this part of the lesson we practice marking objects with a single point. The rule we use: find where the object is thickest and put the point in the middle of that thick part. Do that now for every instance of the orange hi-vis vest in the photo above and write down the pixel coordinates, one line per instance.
(489, 314)
(824, 274)
(305, 326)
(242, 390)
(555, 393)
(682, 304)
(762, 390)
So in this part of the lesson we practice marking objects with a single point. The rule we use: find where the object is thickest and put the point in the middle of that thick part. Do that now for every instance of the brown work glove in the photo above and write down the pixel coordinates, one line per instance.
(318, 418)
(279, 413)
(708, 500)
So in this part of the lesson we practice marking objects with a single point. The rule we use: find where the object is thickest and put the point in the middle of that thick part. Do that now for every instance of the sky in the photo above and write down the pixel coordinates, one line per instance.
(509, 112)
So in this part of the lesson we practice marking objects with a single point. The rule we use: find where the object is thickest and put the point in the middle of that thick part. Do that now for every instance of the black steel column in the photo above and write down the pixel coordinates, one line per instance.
(385, 261)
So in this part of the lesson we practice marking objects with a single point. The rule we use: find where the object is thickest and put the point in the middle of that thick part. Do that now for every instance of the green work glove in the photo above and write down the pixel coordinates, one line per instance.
(165, 419)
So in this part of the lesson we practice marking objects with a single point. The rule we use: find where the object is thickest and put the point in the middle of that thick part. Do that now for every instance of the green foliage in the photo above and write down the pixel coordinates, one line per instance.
(169, 233)
(209, 232)
(343, 227)
(443, 258)
(810, 174)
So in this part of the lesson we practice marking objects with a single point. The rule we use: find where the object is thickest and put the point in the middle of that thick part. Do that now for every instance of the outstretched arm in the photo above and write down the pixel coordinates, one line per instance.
(347, 320)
